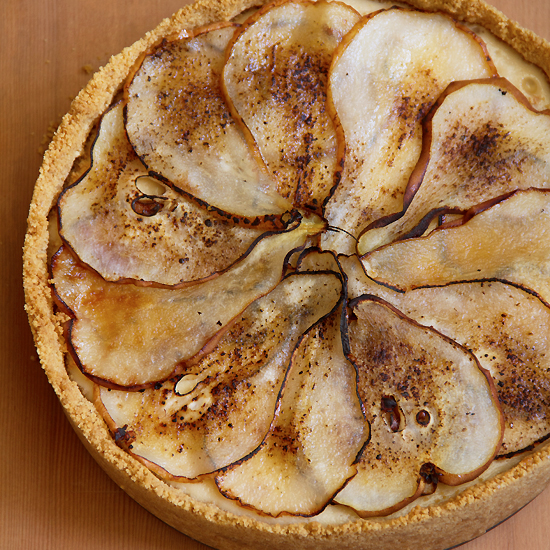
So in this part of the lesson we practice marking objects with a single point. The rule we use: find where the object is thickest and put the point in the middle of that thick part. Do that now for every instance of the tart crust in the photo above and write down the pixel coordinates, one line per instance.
(476, 509)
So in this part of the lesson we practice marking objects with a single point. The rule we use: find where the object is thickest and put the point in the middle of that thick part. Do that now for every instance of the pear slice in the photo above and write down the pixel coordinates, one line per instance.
(221, 408)
(314, 259)
(386, 75)
(275, 80)
(124, 335)
(180, 127)
(506, 328)
(433, 411)
(482, 140)
(316, 435)
(128, 225)
(508, 241)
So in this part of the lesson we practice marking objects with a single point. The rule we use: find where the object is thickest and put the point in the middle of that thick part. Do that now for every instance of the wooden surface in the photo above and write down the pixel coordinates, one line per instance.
(52, 494)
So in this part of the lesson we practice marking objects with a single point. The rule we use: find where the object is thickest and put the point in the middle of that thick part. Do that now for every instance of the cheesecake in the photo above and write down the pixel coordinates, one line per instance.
(286, 270)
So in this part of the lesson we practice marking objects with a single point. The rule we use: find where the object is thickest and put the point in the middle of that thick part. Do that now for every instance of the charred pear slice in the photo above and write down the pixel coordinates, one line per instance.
(275, 79)
(509, 241)
(130, 336)
(506, 328)
(318, 430)
(386, 75)
(128, 225)
(482, 140)
(180, 127)
(221, 408)
(433, 411)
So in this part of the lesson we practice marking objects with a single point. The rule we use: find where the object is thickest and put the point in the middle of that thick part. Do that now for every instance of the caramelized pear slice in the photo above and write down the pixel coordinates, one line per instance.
(275, 79)
(125, 335)
(128, 225)
(386, 75)
(316, 435)
(221, 408)
(506, 328)
(509, 241)
(314, 259)
(180, 127)
(482, 140)
(432, 409)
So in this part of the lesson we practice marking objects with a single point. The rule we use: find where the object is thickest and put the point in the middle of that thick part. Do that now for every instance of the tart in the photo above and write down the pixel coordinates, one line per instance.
(286, 269)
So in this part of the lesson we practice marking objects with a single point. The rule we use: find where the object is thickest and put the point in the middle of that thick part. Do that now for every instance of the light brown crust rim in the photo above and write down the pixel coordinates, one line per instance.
(506, 493)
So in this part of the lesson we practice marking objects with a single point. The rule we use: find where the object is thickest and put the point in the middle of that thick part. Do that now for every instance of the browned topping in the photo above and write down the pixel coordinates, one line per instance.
(144, 206)
(423, 418)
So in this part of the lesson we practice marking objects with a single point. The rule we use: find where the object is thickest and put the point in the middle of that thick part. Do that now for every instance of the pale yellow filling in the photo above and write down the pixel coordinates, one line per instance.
(528, 78)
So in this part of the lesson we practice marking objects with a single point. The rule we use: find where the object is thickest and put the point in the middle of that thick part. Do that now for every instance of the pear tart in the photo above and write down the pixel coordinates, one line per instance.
(287, 270)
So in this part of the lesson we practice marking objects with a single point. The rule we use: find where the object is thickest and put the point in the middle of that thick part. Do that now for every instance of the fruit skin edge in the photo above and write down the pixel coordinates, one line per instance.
(224, 530)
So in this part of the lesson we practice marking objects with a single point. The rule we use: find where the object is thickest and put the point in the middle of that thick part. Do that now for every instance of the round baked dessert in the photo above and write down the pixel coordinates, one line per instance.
(287, 271)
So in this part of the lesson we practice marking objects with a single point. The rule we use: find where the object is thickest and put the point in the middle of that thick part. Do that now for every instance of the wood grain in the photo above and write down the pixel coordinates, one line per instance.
(52, 494)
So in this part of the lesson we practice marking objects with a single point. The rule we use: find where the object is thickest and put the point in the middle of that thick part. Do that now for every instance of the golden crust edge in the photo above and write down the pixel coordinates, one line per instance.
(422, 528)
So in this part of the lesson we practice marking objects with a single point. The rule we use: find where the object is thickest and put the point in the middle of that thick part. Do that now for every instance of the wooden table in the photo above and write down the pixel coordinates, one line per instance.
(52, 494)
